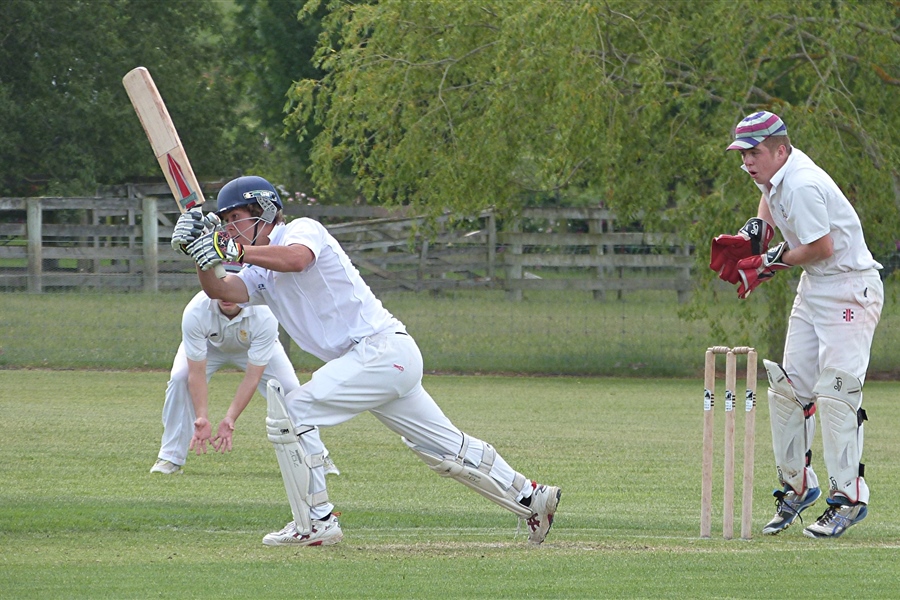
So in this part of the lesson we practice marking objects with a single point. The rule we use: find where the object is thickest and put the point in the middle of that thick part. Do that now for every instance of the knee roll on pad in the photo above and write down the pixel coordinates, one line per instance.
(294, 463)
(477, 477)
(839, 396)
(792, 428)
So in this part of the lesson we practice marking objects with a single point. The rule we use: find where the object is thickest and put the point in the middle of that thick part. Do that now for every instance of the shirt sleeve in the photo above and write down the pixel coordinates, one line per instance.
(262, 338)
(194, 331)
(307, 232)
(809, 217)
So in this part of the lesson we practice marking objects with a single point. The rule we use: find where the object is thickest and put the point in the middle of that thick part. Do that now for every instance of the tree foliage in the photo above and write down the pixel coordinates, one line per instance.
(463, 105)
(447, 105)
(271, 50)
(65, 119)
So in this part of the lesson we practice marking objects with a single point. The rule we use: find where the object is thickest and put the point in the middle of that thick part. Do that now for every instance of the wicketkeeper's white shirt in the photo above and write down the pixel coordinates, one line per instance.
(807, 204)
(326, 308)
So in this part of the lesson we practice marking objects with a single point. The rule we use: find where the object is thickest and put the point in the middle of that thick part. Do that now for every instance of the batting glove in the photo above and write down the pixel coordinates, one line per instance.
(753, 239)
(213, 248)
(190, 226)
(756, 269)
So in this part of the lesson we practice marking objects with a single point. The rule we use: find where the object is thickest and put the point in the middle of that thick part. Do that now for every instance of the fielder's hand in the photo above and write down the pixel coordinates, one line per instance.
(213, 248)
(753, 239)
(202, 431)
(190, 226)
(756, 269)
(222, 440)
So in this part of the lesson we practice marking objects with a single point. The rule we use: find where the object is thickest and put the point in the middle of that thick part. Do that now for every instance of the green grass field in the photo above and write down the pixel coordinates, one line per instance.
(81, 517)
(563, 333)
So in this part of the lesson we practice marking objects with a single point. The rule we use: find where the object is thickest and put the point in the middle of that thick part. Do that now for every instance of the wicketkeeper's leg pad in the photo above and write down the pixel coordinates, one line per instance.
(476, 477)
(296, 466)
(839, 396)
(793, 428)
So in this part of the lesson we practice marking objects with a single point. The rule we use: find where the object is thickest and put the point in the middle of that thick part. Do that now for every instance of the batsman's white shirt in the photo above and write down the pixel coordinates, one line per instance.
(251, 337)
(839, 299)
(371, 363)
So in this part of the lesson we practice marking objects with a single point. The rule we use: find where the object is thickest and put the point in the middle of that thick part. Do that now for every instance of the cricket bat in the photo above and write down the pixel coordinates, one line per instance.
(160, 130)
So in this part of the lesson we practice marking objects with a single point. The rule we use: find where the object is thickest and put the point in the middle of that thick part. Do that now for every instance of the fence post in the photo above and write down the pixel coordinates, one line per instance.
(514, 271)
(595, 226)
(150, 232)
(491, 245)
(33, 227)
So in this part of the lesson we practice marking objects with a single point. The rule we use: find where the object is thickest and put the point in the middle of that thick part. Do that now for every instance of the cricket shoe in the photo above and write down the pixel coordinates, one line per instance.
(544, 500)
(837, 518)
(166, 467)
(325, 532)
(788, 506)
(330, 467)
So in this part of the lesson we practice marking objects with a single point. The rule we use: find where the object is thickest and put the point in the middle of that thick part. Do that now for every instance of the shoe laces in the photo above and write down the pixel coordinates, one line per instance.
(829, 515)
(782, 505)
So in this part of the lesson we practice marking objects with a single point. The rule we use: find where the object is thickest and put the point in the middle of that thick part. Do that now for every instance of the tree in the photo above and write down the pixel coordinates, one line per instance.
(272, 50)
(447, 105)
(65, 119)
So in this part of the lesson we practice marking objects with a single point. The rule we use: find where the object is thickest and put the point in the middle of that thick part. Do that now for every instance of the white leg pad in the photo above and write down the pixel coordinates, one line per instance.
(476, 477)
(295, 465)
(839, 396)
(792, 430)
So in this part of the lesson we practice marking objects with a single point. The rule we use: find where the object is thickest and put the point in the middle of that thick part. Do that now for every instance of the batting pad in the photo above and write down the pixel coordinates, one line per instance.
(792, 430)
(478, 479)
(840, 409)
(294, 464)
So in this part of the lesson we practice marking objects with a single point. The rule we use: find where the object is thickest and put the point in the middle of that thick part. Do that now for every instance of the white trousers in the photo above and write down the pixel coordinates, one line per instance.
(832, 324)
(178, 411)
(382, 374)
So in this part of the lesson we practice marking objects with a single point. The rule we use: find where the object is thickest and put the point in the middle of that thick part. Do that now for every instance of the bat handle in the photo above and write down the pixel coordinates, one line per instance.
(220, 271)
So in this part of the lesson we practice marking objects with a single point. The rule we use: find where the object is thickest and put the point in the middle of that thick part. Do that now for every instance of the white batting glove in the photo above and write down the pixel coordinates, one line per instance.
(190, 226)
(213, 248)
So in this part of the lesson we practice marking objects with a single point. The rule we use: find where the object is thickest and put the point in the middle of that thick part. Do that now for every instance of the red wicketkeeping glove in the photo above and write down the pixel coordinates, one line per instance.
(753, 239)
(756, 269)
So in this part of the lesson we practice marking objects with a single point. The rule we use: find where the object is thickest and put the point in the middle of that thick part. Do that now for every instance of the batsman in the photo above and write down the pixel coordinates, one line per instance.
(371, 364)
(830, 328)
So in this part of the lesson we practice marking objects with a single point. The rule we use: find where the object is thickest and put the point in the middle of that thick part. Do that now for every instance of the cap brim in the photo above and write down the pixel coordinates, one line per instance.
(745, 143)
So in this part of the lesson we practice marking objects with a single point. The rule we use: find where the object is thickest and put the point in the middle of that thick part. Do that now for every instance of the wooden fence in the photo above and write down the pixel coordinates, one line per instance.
(98, 243)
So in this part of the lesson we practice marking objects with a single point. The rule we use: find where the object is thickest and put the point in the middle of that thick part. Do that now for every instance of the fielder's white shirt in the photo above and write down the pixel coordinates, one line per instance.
(807, 204)
(252, 332)
(326, 308)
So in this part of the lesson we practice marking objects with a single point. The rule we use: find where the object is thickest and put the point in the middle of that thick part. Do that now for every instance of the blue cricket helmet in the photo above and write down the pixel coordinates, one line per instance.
(247, 190)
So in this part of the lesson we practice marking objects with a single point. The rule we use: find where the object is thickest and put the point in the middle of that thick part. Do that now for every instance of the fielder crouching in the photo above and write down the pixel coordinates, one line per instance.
(830, 329)
(371, 364)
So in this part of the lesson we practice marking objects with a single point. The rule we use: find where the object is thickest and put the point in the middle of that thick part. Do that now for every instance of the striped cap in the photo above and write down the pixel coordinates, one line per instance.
(755, 128)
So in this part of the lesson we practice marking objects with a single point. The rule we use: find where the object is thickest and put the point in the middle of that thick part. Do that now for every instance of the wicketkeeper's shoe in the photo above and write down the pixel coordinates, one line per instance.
(166, 467)
(543, 502)
(837, 518)
(788, 506)
(330, 467)
(325, 532)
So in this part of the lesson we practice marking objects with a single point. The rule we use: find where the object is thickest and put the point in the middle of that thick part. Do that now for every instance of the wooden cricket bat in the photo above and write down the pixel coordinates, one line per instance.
(160, 130)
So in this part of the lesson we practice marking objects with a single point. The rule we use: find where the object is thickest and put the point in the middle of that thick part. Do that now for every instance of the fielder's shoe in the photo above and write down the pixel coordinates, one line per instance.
(837, 518)
(788, 506)
(166, 467)
(544, 500)
(325, 532)
(330, 467)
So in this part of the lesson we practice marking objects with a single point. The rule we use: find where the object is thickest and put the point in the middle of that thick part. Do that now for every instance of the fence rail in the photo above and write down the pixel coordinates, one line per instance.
(99, 242)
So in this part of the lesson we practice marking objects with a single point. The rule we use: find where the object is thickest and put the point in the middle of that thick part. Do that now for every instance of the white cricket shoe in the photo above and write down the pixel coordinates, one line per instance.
(325, 532)
(165, 467)
(544, 500)
(330, 467)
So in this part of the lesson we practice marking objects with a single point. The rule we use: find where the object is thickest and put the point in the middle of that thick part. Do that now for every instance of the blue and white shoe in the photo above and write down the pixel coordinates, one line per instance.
(837, 518)
(788, 506)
